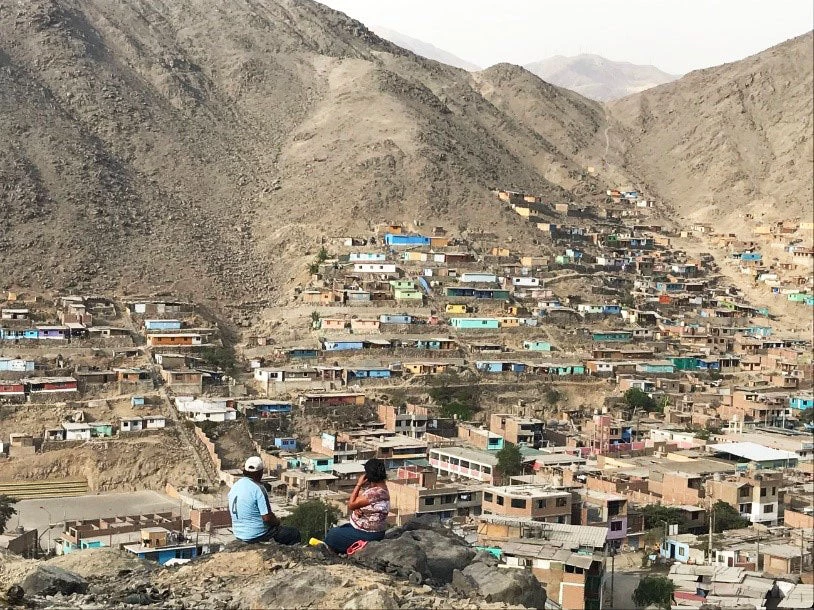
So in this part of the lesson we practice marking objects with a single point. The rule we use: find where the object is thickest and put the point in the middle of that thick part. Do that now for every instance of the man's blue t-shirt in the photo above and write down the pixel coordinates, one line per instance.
(248, 503)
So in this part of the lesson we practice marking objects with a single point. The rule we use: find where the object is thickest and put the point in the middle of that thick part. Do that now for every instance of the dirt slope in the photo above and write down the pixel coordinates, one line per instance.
(729, 140)
(204, 146)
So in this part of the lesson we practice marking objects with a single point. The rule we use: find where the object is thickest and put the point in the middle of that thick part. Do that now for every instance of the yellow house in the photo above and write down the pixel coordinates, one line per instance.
(509, 322)
(456, 308)
(523, 210)
(497, 251)
(533, 261)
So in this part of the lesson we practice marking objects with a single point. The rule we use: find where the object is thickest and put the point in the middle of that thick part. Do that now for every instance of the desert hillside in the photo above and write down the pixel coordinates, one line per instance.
(205, 147)
(598, 78)
(731, 140)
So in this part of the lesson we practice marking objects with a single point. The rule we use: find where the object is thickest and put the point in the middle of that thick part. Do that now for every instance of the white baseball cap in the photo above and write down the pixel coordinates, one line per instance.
(253, 464)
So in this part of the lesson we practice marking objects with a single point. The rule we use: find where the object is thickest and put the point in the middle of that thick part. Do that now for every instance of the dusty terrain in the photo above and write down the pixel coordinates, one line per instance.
(200, 148)
(205, 149)
(726, 141)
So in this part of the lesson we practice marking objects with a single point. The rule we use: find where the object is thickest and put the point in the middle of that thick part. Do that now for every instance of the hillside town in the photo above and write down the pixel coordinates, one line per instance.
(621, 399)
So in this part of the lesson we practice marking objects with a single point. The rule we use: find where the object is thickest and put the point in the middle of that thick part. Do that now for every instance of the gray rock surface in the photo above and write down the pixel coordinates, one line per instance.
(50, 580)
(483, 578)
(404, 557)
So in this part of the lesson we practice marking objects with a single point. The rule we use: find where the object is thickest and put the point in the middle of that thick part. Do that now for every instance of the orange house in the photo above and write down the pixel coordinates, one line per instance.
(174, 340)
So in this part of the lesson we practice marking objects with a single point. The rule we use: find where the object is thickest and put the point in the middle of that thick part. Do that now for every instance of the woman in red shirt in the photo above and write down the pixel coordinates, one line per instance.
(369, 505)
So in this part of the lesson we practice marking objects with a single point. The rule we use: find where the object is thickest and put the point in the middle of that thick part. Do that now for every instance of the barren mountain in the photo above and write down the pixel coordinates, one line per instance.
(598, 78)
(730, 140)
(424, 49)
(205, 146)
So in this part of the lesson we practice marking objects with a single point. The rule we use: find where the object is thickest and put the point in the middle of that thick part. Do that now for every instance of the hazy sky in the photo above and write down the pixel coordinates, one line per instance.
(674, 35)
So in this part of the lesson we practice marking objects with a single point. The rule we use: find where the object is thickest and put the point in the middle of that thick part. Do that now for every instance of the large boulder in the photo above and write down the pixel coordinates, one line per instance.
(445, 554)
(403, 557)
(50, 580)
(511, 586)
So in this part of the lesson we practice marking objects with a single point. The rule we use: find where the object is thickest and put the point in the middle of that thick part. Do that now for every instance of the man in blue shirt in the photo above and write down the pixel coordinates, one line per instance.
(249, 507)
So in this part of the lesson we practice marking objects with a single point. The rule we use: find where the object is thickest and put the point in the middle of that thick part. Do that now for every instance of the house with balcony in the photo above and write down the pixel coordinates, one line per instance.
(467, 463)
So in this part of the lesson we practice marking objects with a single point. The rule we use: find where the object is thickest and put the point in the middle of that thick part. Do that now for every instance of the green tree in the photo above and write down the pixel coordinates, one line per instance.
(221, 357)
(807, 416)
(311, 518)
(449, 388)
(322, 255)
(637, 399)
(654, 590)
(510, 460)
(656, 515)
(456, 409)
(552, 396)
(727, 518)
(6, 510)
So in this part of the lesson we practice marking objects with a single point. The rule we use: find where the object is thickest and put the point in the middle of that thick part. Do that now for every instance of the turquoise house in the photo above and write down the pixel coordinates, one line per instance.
(475, 323)
(317, 462)
(537, 346)
(655, 367)
(620, 336)
(100, 429)
(685, 363)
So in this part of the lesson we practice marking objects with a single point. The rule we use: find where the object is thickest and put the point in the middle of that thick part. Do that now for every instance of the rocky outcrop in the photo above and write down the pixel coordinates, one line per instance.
(483, 578)
(416, 567)
(420, 551)
(50, 580)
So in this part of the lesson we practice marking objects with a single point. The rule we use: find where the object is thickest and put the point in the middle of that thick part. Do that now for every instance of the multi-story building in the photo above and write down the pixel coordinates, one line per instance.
(467, 463)
(528, 502)
(480, 438)
(601, 509)
(409, 420)
(755, 495)
(516, 429)
(416, 491)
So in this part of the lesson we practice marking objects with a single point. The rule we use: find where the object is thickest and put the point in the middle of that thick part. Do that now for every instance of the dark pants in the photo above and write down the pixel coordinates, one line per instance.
(340, 538)
(281, 534)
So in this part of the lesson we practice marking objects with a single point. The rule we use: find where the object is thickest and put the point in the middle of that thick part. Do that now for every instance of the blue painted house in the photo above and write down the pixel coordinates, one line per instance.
(801, 401)
(286, 443)
(367, 372)
(401, 318)
(342, 345)
(162, 324)
(396, 240)
(303, 353)
(500, 366)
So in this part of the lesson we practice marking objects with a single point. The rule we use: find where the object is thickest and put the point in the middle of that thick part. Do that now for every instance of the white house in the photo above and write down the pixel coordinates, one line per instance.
(131, 424)
(155, 422)
(383, 268)
(205, 410)
(531, 282)
(478, 278)
(76, 432)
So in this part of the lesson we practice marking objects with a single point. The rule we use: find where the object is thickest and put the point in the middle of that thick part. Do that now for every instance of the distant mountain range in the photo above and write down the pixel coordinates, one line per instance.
(598, 78)
(424, 49)
(589, 75)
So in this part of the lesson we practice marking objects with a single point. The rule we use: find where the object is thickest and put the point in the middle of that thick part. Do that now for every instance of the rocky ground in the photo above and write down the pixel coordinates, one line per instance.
(417, 566)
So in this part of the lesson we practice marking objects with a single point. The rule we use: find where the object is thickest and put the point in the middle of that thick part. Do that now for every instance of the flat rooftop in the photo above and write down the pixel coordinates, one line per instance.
(464, 453)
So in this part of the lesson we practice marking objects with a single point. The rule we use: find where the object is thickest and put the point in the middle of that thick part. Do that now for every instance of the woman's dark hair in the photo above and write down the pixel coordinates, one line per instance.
(375, 471)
